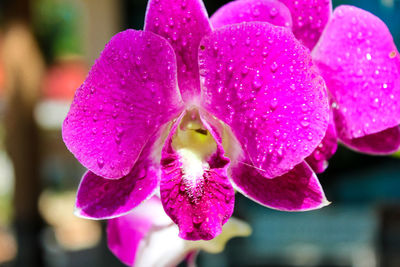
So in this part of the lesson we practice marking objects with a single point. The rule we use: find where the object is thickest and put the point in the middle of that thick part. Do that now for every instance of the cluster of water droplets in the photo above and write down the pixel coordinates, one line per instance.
(108, 101)
(260, 77)
(360, 71)
(309, 19)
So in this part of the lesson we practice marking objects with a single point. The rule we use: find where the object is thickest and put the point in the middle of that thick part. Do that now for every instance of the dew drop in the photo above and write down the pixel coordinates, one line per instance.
(257, 83)
(198, 219)
(100, 162)
(273, 12)
(115, 114)
(265, 52)
(120, 131)
(274, 66)
(274, 103)
(305, 124)
(304, 107)
(118, 140)
(245, 70)
(183, 5)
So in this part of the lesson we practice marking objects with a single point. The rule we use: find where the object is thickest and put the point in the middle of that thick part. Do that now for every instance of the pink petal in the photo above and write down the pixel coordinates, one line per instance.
(183, 23)
(265, 87)
(125, 233)
(309, 19)
(361, 67)
(297, 190)
(318, 160)
(101, 198)
(382, 143)
(271, 11)
(199, 205)
(129, 93)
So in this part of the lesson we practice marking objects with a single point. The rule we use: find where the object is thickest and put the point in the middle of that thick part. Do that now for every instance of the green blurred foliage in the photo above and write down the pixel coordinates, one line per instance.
(57, 25)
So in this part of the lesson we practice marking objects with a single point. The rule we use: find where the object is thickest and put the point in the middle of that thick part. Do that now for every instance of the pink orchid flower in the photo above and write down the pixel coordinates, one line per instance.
(146, 237)
(358, 60)
(197, 113)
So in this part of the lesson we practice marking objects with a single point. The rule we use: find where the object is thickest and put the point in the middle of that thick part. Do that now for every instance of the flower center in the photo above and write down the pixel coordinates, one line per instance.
(194, 144)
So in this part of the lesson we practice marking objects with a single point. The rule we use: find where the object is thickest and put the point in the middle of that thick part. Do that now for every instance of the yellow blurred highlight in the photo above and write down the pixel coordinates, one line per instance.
(71, 232)
(233, 228)
(8, 246)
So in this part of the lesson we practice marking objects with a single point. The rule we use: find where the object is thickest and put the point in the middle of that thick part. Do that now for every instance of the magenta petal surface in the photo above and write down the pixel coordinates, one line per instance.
(361, 67)
(318, 160)
(271, 11)
(297, 190)
(309, 19)
(124, 235)
(101, 198)
(198, 205)
(266, 88)
(129, 93)
(382, 143)
(183, 23)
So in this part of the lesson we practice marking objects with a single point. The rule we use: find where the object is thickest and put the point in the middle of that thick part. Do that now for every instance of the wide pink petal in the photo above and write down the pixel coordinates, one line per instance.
(309, 19)
(129, 93)
(361, 67)
(198, 205)
(297, 190)
(266, 88)
(101, 198)
(382, 143)
(318, 160)
(271, 11)
(183, 23)
(126, 233)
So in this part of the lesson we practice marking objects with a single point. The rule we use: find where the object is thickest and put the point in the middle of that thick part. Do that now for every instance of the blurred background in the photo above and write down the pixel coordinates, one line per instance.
(47, 47)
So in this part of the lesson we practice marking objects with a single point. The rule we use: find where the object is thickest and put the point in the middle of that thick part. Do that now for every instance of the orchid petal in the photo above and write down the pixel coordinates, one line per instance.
(271, 11)
(124, 236)
(183, 23)
(318, 160)
(126, 233)
(363, 75)
(267, 90)
(163, 247)
(297, 190)
(129, 93)
(100, 198)
(309, 19)
(198, 203)
(382, 143)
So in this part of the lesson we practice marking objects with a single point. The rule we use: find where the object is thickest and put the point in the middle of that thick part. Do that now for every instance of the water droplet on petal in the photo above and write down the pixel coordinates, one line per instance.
(274, 66)
(273, 12)
(197, 219)
(274, 103)
(257, 83)
(305, 124)
(100, 162)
